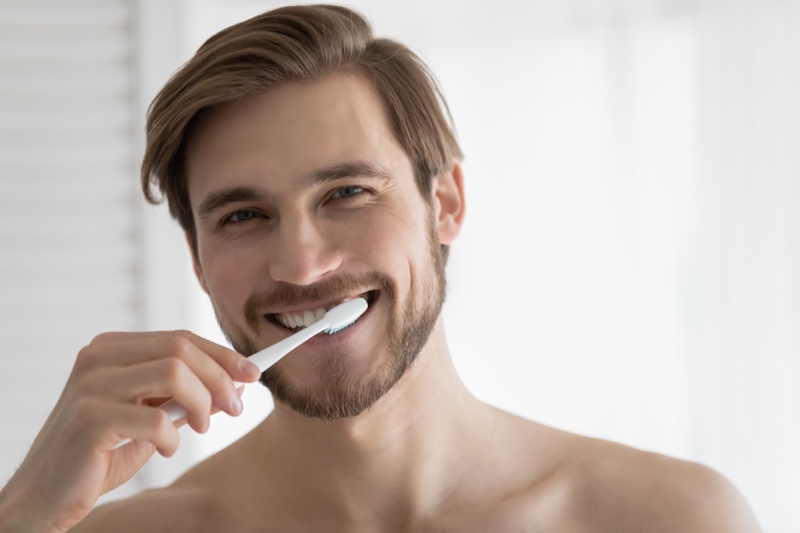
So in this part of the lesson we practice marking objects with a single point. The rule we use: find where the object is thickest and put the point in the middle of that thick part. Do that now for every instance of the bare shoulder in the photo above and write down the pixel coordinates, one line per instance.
(169, 509)
(619, 488)
(210, 497)
(195, 502)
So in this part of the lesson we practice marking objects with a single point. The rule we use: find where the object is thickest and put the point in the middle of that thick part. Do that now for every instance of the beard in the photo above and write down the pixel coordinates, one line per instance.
(339, 394)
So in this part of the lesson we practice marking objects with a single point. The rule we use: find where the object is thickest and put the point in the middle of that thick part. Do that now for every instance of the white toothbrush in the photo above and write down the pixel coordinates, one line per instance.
(338, 318)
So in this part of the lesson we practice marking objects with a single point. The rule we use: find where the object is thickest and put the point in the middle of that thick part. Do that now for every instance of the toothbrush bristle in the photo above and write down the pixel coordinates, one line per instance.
(331, 331)
(344, 315)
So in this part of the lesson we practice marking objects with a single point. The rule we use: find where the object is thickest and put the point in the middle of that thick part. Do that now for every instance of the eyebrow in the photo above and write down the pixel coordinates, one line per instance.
(353, 169)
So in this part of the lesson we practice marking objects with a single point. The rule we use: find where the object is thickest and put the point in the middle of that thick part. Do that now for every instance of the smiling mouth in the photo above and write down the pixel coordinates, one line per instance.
(297, 320)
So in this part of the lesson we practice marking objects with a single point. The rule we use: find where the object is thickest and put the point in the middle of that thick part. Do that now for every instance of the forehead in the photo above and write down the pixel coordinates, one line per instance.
(291, 132)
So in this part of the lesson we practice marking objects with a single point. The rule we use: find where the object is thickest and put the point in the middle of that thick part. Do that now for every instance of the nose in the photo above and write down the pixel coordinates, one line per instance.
(302, 254)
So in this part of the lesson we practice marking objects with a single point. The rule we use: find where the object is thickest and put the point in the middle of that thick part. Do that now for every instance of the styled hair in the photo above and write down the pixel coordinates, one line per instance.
(294, 43)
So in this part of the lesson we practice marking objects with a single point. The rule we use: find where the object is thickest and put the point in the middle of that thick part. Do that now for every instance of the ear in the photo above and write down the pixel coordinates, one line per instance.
(448, 203)
(195, 263)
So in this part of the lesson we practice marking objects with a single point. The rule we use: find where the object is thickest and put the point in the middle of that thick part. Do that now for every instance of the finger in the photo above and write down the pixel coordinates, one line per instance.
(104, 424)
(145, 424)
(165, 378)
(239, 392)
(131, 348)
(184, 346)
(151, 383)
(239, 367)
(208, 369)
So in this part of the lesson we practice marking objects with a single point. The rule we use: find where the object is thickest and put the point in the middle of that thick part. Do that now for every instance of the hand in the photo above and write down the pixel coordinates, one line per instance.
(113, 393)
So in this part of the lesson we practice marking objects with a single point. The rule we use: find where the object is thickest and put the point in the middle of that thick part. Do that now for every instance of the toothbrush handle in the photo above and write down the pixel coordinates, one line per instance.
(174, 410)
(271, 355)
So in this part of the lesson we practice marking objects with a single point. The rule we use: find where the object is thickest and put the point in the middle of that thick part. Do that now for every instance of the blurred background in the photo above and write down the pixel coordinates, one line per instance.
(630, 264)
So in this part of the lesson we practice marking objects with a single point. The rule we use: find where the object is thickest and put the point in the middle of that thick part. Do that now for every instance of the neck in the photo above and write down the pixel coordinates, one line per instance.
(396, 459)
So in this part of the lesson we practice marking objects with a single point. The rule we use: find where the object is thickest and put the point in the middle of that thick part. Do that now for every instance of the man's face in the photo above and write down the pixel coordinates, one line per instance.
(303, 198)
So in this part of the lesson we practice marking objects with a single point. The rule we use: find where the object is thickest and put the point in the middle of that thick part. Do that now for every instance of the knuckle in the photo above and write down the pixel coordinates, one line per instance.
(87, 356)
(179, 345)
(200, 402)
(107, 336)
(85, 381)
(182, 337)
(89, 421)
(102, 337)
(173, 369)
(206, 399)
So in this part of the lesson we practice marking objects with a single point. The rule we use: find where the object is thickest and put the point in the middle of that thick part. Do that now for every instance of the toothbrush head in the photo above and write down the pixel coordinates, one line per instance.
(344, 315)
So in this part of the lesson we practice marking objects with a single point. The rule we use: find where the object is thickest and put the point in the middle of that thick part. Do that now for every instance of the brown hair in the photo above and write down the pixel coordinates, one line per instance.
(291, 43)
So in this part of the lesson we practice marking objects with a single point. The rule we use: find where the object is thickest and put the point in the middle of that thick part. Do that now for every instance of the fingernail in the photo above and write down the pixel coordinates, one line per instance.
(248, 367)
(236, 405)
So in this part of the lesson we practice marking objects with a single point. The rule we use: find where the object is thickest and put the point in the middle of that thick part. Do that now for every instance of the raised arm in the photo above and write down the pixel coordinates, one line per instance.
(116, 384)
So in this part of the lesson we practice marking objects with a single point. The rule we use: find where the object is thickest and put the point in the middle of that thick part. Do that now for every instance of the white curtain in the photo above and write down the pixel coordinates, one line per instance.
(68, 227)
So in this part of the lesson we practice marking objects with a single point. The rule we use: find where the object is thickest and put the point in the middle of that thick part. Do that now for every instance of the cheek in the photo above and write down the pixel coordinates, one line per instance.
(381, 238)
(226, 274)
(397, 245)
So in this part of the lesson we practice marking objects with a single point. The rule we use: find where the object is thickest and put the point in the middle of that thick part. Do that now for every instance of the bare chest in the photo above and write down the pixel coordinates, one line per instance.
(523, 513)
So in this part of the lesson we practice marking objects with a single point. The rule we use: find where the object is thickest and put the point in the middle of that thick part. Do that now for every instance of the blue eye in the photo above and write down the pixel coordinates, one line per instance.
(348, 191)
(242, 216)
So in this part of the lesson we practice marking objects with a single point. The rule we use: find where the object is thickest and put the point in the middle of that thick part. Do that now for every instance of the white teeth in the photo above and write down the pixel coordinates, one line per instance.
(293, 321)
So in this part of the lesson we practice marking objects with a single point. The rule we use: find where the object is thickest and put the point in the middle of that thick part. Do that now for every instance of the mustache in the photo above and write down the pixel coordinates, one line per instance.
(335, 288)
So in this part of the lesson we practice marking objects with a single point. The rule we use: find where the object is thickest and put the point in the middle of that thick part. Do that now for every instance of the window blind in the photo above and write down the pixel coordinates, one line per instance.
(68, 198)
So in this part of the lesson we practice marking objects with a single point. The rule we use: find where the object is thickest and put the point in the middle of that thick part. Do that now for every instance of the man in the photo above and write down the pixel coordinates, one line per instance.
(309, 164)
